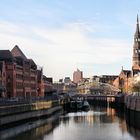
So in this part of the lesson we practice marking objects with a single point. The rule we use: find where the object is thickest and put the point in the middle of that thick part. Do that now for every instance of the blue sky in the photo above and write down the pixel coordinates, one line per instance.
(95, 36)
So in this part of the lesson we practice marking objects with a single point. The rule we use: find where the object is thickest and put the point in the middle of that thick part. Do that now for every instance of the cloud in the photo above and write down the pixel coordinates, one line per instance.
(59, 50)
(72, 41)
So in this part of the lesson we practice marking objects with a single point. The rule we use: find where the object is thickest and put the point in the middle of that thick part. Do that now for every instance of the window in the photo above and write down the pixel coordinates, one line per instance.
(19, 85)
(136, 51)
(3, 74)
(19, 76)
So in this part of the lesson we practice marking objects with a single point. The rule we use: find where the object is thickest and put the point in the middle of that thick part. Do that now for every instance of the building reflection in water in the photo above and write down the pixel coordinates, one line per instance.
(98, 122)
(134, 132)
(104, 115)
(35, 134)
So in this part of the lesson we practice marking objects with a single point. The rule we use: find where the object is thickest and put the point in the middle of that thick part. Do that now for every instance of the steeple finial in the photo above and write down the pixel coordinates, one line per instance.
(122, 68)
(137, 19)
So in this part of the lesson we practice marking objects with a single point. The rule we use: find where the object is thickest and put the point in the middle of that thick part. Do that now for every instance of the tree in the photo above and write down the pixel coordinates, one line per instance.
(136, 87)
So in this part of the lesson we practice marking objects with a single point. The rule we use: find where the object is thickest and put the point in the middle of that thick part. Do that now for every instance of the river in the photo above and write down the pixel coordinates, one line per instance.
(97, 124)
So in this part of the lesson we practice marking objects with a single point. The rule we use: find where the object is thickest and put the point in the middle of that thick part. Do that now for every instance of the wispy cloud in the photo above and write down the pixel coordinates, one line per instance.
(59, 50)
(73, 40)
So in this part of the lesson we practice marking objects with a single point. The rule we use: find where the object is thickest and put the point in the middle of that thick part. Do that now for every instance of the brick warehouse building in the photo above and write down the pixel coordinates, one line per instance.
(2, 79)
(18, 75)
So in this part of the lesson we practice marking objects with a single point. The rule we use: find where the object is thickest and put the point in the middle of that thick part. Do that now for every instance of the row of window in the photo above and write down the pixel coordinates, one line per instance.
(21, 85)
(21, 93)
(27, 69)
(10, 67)
(21, 77)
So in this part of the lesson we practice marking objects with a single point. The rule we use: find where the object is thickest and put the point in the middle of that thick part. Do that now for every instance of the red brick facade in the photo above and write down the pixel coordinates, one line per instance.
(19, 75)
(2, 79)
(47, 83)
(122, 81)
(40, 87)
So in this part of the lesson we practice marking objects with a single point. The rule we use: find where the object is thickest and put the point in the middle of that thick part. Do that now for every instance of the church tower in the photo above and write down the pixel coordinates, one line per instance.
(136, 50)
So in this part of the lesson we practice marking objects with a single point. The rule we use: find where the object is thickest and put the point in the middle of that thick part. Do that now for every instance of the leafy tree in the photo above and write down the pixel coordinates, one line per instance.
(136, 87)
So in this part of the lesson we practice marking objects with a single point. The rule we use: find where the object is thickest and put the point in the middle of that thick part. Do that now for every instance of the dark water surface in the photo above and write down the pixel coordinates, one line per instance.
(96, 124)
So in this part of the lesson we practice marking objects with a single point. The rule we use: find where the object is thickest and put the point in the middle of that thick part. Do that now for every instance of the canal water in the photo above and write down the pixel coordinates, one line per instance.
(97, 124)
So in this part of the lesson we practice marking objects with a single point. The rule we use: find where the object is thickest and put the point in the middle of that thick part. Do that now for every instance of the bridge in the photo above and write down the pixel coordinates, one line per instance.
(108, 98)
(113, 100)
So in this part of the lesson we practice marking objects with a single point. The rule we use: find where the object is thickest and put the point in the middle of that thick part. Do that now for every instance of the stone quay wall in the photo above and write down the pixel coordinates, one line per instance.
(132, 105)
(132, 102)
(15, 113)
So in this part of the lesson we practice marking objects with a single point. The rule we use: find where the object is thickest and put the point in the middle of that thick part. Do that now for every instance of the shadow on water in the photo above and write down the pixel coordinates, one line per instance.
(35, 133)
(100, 122)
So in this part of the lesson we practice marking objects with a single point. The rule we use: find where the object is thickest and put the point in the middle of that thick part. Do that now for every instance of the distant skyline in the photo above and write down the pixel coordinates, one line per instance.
(95, 36)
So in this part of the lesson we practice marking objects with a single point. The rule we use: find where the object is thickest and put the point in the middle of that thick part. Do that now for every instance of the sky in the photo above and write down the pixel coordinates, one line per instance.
(95, 36)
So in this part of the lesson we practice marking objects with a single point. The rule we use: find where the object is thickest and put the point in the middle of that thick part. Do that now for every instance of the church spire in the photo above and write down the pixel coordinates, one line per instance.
(137, 26)
(137, 19)
(136, 50)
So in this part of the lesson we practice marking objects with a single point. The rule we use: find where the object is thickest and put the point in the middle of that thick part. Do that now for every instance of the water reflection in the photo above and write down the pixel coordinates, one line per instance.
(96, 124)
(35, 134)
(134, 132)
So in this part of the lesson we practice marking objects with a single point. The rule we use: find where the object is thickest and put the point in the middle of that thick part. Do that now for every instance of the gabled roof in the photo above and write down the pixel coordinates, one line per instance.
(33, 64)
(48, 79)
(16, 51)
(6, 55)
(126, 71)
